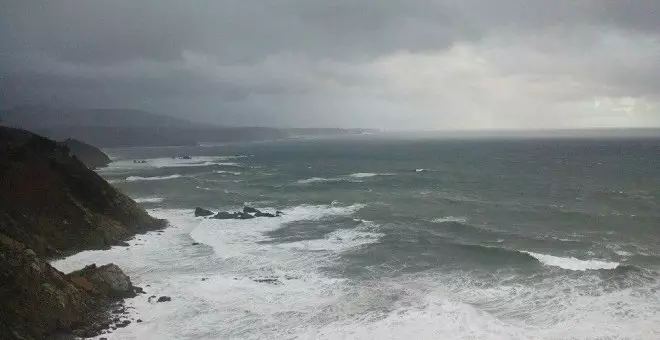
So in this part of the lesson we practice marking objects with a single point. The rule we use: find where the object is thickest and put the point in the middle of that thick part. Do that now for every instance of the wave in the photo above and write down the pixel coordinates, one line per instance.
(449, 219)
(568, 263)
(572, 263)
(165, 162)
(368, 174)
(235, 173)
(354, 178)
(148, 199)
(317, 180)
(154, 178)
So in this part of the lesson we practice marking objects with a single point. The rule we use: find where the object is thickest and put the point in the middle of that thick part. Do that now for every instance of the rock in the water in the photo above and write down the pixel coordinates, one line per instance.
(195, 243)
(264, 214)
(269, 280)
(279, 213)
(164, 299)
(244, 216)
(251, 210)
(202, 212)
(223, 215)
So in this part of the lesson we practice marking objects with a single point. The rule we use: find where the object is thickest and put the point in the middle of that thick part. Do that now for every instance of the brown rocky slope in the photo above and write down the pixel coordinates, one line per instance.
(50, 205)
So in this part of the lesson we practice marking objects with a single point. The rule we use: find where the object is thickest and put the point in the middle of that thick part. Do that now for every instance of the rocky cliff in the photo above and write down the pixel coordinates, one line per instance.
(51, 204)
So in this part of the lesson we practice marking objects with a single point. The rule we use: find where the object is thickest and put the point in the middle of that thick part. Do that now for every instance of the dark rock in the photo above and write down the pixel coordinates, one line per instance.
(138, 290)
(138, 320)
(251, 210)
(279, 213)
(123, 323)
(264, 214)
(195, 243)
(202, 212)
(186, 157)
(269, 280)
(223, 215)
(244, 216)
(164, 299)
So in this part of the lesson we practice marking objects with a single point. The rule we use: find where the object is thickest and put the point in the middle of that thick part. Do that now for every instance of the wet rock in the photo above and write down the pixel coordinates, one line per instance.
(244, 216)
(268, 280)
(223, 215)
(138, 290)
(124, 323)
(264, 214)
(279, 213)
(195, 243)
(202, 212)
(164, 299)
(250, 210)
(138, 320)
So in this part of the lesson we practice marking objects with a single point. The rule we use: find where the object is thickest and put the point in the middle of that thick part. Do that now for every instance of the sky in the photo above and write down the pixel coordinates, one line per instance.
(387, 64)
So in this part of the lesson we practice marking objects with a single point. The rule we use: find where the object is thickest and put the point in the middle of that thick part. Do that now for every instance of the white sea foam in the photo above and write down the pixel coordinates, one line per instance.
(368, 174)
(572, 263)
(148, 199)
(355, 177)
(165, 162)
(235, 173)
(318, 180)
(449, 219)
(154, 178)
(307, 304)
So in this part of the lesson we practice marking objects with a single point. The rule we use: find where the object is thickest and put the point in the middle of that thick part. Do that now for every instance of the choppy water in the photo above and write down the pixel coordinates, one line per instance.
(393, 239)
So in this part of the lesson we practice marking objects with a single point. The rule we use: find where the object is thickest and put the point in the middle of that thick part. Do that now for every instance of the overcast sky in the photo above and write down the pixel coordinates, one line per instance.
(394, 64)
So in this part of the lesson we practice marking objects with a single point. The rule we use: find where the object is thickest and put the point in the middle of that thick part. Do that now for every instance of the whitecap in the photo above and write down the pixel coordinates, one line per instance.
(368, 174)
(572, 263)
(235, 173)
(449, 219)
(154, 178)
(148, 199)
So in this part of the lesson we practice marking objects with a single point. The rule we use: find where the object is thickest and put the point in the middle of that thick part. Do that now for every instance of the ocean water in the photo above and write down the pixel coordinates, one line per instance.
(395, 239)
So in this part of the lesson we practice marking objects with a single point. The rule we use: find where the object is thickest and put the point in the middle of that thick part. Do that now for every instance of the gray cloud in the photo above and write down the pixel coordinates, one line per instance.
(388, 64)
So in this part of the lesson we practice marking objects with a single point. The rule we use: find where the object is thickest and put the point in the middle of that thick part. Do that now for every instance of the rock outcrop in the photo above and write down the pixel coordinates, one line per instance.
(202, 212)
(51, 204)
(90, 156)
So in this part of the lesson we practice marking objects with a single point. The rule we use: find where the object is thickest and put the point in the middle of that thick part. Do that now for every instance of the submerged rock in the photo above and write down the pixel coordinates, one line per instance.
(164, 299)
(202, 212)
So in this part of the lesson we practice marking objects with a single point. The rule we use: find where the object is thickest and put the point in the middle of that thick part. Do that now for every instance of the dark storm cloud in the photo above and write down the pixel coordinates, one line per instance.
(380, 63)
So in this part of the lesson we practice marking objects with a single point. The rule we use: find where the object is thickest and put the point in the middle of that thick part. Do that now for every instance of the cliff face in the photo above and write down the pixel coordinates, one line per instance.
(51, 204)
(54, 204)
(90, 156)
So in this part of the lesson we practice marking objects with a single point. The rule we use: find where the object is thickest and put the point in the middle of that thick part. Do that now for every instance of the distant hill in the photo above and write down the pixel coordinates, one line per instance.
(107, 128)
(39, 117)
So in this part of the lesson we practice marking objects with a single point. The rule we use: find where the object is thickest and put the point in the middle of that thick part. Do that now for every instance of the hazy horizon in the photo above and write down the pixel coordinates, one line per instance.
(441, 65)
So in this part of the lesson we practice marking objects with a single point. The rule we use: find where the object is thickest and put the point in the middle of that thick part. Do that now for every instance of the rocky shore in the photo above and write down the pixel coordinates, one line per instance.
(52, 205)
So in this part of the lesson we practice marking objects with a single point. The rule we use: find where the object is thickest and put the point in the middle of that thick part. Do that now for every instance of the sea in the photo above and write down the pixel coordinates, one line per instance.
(394, 238)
